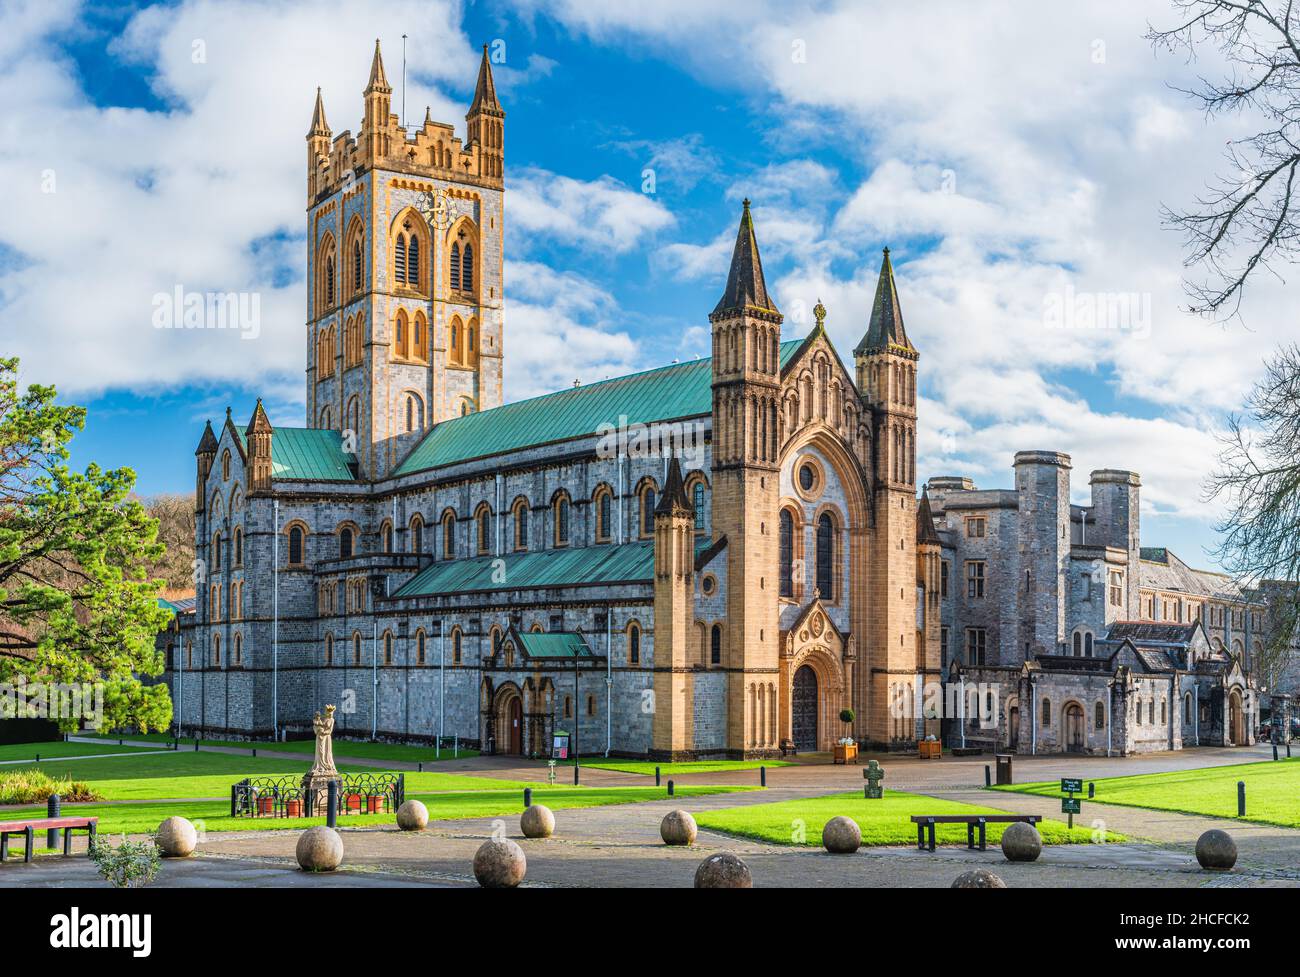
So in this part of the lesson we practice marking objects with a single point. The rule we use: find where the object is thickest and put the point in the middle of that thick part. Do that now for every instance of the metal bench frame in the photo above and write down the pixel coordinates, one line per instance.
(973, 822)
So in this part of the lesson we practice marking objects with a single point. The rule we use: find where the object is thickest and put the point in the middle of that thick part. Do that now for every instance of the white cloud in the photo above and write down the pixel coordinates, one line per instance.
(600, 214)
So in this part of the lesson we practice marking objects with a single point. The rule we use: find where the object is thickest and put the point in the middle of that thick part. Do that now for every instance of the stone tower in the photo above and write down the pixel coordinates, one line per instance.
(205, 454)
(258, 435)
(1043, 486)
(673, 733)
(886, 363)
(405, 318)
(746, 440)
(1116, 522)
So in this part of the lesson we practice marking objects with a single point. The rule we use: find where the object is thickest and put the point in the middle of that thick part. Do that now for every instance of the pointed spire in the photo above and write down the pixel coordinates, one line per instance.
(925, 531)
(319, 126)
(746, 288)
(428, 115)
(485, 89)
(886, 328)
(673, 501)
(207, 443)
(260, 423)
(378, 80)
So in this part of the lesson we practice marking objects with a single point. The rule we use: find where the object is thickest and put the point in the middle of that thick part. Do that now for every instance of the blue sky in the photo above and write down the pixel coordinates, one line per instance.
(1010, 157)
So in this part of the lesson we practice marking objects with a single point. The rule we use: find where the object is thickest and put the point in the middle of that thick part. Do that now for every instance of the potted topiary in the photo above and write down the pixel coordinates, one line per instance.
(847, 748)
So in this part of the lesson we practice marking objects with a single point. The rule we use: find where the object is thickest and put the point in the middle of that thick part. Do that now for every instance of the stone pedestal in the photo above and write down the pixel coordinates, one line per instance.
(315, 790)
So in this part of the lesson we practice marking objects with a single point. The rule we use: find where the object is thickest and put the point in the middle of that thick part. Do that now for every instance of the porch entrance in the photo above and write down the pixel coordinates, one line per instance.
(803, 710)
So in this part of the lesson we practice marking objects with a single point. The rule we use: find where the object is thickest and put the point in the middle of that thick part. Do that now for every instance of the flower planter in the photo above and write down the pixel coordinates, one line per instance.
(293, 809)
(374, 804)
(266, 805)
(930, 749)
(846, 752)
(352, 803)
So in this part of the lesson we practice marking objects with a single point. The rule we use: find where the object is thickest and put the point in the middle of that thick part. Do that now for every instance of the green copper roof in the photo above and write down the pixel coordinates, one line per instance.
(667, 393)
(569, 567)
(555, 644)
(308, 453)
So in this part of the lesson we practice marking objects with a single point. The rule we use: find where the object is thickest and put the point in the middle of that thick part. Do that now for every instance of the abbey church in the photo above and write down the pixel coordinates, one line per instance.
(750, 557)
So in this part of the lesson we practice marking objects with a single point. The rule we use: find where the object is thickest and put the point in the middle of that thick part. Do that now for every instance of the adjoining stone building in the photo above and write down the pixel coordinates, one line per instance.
(710, 558)
(1064, 634)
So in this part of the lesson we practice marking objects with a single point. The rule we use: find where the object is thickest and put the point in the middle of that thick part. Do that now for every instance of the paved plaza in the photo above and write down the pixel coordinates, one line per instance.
(619, 845)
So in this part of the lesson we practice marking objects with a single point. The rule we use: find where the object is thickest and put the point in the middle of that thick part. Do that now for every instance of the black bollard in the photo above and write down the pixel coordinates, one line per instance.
(52, 806)
(762, 776)
(1241, 798)
(254, 751)
(1275, 749)
(421, 766)
(1288, 749)
(196, 746)
(528, 797)
(988, 776)
(38, 758)
(332, 804)
(575, 773)
(657, 781)
(1092, 790)
(670, 788)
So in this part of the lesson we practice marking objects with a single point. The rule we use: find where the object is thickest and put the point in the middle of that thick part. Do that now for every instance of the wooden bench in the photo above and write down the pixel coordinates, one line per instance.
(926, 822)
(28, 830)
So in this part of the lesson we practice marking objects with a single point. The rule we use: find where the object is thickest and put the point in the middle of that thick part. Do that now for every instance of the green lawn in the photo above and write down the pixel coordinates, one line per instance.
(348, 748)
(116, 819)
(647, 767)
(57, 748)
(1272, 791)
(883, 822)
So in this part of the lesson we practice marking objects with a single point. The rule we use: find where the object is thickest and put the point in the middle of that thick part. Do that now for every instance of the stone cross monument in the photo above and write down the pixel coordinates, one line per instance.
(315, 784)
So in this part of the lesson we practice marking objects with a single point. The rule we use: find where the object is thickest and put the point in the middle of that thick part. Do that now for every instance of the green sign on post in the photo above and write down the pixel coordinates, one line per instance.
(1071, 785)
(1071, 805)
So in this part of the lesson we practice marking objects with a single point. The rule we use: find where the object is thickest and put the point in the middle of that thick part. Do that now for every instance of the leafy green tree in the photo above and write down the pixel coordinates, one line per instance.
(77, 604)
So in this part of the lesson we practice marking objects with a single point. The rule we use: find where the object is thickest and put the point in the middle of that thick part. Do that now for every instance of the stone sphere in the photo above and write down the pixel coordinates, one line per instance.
(980, 878)
(320, 849)
(678, 828)
(1216, 850)
(537, 821)
(412, 816)
(176, 838)
(841, 836)
(723, 871)
(500, 864)
(1021, 842)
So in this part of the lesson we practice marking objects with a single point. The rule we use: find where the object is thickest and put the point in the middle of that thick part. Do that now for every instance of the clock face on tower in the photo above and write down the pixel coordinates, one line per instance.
(436, 209)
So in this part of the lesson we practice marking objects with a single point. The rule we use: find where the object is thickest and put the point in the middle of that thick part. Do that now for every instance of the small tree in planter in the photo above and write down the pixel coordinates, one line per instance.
(129, 865)
(846, 717)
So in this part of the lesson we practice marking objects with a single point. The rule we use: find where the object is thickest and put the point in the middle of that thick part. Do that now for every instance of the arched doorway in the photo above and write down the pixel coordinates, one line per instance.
(509, 714)
(1013, 727)
(803, 711)
(1074, 728)
(1236, 724)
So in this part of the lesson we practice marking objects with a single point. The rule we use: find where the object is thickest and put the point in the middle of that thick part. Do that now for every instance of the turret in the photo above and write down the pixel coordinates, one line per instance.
(485, 123)
(375, 125)
(318, 148)
(746, 485)
(1043, 487)
(259, 435)
(205, 454)
(1114, 520)
(674, 554)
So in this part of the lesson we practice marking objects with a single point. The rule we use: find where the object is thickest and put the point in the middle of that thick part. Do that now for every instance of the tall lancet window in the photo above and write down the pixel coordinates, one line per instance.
(825, 556)
(455, 266)
(467, 268)
(399, 259)
(787, 553)
(413, 262)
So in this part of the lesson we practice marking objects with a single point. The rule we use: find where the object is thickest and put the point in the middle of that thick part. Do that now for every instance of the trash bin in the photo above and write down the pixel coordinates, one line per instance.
(1004, 768)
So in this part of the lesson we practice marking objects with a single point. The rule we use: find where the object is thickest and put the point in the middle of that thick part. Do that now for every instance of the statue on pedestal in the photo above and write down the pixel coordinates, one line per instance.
(315, 784)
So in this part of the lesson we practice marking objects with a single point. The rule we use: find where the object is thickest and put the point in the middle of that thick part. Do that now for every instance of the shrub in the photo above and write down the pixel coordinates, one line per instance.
(847, 715)
(128, 865)
(34, 786)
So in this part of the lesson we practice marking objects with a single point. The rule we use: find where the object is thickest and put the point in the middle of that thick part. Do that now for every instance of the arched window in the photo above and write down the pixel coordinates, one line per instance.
(329, 649)
(216, 651)
(1078, 643)
(413, 262)
(216, 551)
(239, 649)
(399, 329)
(386, 537)
(455, 266)
(419, 338)
(786, 545)
(697, 498)
(467, 269)
(358, 267)
(388, 647)
(225, 465)
(483, 522)
(239, 546)
(562, 520)
(296, 539)
(456, 647)
(417, 534)
(826, 556)
(420, 646)
(449, 535)
(648, 509)
(1087, 644)
(520, 512)
(603, 511)
(715, 645)
(345, 542)
(356, 647)
(1187, 709)
(329, 279)
(410, 414)
(1047, 712)
(634, 644)
(399, 259)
